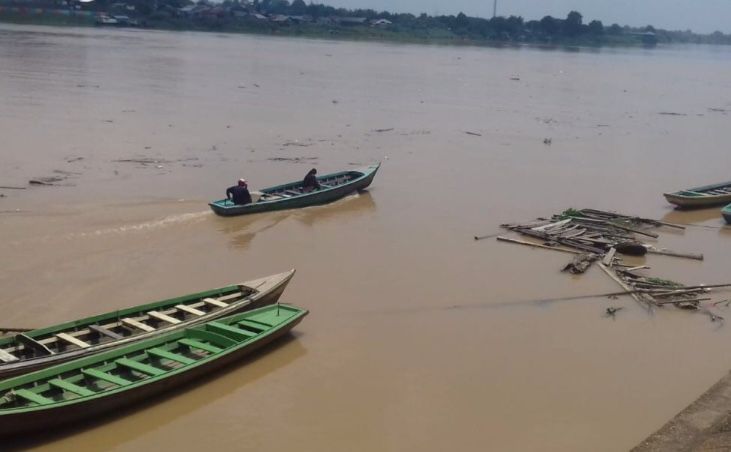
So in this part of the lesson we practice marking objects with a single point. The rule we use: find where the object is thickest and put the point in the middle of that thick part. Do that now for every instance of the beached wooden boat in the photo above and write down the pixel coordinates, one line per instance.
(726, 212)
(98, 384)
(290, 196)
(44, 347)
(706, 196)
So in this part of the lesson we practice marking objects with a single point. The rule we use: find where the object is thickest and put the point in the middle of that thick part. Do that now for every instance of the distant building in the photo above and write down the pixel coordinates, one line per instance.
(381, 22)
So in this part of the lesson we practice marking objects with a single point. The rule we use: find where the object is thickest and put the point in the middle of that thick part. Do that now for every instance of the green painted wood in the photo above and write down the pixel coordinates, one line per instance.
(25, 396)
(229, 331)
(33, 397)
(119, 381)
(136, 365)
(254, 325)
(170, 355)
(71, 387)
(200, 345)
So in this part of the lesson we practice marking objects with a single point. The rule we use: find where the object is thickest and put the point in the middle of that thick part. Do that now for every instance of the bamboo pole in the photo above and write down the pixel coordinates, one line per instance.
(696, 256)
(624, 286)
(536, 245)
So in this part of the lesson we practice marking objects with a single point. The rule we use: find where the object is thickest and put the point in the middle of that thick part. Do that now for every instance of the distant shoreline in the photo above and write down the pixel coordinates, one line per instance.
(352, 35)
(367, 30)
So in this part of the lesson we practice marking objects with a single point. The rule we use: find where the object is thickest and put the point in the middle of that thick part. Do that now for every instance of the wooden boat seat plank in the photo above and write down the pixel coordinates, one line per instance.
(254, 325)
(72, 340)
(119, 381)
(163, 317)
(141, 367)
(138, 325)
(70, 387)
(226, 330)
(292, 192)
(105, 332)
(7, 357)
(200, 345)
(214, 302)
(160, 353)
(190, 310)
(34, 344)
(32, 397)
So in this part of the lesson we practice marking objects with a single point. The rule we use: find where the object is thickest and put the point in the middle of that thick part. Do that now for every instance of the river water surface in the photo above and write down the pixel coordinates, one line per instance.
(419, 338)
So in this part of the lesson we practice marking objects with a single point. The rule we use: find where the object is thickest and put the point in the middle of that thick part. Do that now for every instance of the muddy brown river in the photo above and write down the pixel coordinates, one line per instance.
(419, 338)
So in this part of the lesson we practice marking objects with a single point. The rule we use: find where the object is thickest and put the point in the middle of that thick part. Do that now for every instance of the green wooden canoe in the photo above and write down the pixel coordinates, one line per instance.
(290, 196)
(706, 196)
(726, 212)
(44, 347)
(98, 384)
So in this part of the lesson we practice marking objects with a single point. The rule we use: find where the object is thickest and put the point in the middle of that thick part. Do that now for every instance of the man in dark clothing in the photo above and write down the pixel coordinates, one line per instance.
(310, 183)
(239, 194)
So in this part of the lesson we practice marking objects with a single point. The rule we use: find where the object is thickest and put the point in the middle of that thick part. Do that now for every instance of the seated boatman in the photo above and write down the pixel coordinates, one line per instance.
(310, 183)
(239, 194)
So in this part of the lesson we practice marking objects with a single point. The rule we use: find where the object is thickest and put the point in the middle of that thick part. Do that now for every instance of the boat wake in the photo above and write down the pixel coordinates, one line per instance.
(172, 220)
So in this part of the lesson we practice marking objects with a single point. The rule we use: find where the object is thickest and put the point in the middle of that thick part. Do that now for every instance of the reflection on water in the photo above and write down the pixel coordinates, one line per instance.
(181, 401)
(243, 229)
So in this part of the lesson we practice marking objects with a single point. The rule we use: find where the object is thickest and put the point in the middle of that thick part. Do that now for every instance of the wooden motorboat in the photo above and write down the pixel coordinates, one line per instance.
(291, 196)
(98, 384)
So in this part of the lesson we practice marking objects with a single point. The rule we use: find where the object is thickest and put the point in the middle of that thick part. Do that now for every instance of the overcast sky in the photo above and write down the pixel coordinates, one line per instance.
(703, 16)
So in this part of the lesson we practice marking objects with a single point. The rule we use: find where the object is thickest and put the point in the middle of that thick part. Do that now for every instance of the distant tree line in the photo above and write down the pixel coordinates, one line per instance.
(461, 27)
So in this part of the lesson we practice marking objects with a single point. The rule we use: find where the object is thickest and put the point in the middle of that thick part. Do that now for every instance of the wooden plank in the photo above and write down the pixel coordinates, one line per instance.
(119, 381)
(144, 368)
(609, 257)
(292, 192)
(139, 325)
(200, 345)
(70, 387)
(254, 325)
(105, 332)
(227, 330)
(536, 245)
(72, 340)
(32, 396)
(7, 357)
(170, 355)
(34, 344)
(214, 302)
(193, 311)
(163, 317)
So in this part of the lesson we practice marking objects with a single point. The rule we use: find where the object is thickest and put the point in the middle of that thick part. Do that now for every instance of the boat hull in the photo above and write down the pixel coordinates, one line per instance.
(726, 212)
(11, 425)
(698, 197)
(271, 287)
(317, 197)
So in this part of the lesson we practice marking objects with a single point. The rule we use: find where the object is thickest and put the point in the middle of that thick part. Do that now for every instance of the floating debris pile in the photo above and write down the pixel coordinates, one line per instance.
(599, 236)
